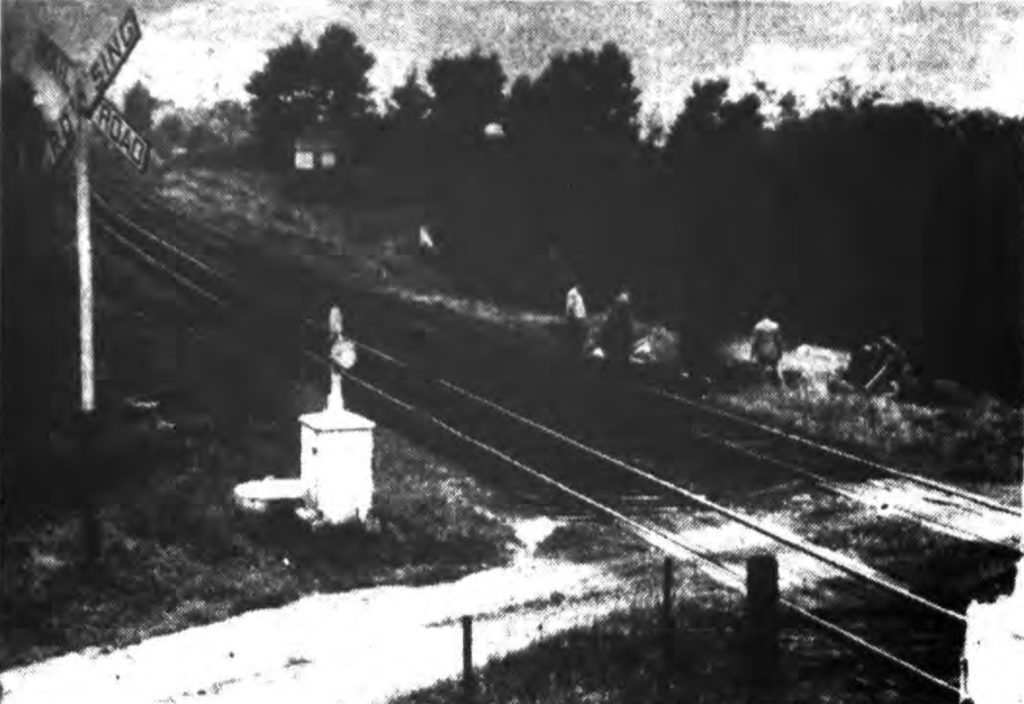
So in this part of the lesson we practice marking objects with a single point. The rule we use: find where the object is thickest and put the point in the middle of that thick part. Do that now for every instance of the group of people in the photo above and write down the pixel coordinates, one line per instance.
(615, 341)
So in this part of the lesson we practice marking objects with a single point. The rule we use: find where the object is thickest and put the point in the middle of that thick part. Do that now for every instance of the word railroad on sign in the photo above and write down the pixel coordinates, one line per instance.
(65, 71)
(113, 124)
(59, 64)
(62, 136)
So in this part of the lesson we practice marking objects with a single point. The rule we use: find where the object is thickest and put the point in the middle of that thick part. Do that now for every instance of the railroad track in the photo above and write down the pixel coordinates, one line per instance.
(644, 420)
(574, 441)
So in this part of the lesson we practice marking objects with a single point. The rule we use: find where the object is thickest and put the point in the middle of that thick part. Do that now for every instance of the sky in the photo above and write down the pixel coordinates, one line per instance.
(195, 52)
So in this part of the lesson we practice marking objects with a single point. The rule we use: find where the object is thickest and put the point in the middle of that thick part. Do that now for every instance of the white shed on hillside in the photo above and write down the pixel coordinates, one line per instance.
(320, 149)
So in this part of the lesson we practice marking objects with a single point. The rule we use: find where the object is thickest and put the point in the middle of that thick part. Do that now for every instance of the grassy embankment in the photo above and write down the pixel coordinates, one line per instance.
(177, 552)
(977, 443)
(618, 660)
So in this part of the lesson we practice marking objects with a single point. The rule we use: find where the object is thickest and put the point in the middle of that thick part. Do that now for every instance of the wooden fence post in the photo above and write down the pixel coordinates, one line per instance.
(668, 630)
(86, 480)
(467, 659)
(762, 653)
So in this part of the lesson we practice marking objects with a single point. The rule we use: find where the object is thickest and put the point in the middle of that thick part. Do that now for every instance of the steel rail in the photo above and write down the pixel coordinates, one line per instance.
(750, 523)
(638, 527)
(827, 449)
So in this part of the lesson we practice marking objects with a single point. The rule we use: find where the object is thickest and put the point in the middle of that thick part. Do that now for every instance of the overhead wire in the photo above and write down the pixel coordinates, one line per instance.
(637, 526)
(826, 483)
(793, 542)
(182, 280)
(732, 577)
(753, 524)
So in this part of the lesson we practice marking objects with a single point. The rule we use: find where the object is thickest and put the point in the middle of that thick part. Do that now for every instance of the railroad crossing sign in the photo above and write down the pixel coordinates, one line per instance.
(85, 91)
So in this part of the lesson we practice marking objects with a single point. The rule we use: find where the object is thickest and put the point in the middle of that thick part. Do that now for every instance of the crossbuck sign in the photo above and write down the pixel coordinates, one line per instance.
(85, 91)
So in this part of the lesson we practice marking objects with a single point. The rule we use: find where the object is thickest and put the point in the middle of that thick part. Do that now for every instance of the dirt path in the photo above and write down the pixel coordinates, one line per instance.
(360, 646)
(370, 645)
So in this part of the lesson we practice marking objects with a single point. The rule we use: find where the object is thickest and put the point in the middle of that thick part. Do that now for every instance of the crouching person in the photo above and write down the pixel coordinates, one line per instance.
(766, 349)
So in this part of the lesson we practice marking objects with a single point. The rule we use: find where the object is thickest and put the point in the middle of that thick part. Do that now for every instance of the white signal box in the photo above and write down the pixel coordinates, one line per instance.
(337, 464)
(337, 445)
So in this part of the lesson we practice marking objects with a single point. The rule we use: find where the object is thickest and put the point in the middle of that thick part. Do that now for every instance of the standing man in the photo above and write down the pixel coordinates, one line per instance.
(617, 337)
(766, 348)
(576, 318)
(426, 242)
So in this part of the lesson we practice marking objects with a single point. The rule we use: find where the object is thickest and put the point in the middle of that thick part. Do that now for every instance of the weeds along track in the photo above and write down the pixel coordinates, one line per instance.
(646, 423)
(669, 435)
(748, 433)
(575, 472)
(604, 444)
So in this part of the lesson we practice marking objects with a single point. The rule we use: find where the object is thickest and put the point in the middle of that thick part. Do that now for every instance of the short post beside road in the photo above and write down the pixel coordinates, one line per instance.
(468, 685)
(668, 629)
(87, 447)
(762, 637)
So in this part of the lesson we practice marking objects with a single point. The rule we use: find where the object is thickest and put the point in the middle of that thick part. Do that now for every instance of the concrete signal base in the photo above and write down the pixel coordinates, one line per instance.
(337, 464)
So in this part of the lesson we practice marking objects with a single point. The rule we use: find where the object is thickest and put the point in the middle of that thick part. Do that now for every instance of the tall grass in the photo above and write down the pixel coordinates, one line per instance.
(978, 443)
(620, 659)
(178, 552)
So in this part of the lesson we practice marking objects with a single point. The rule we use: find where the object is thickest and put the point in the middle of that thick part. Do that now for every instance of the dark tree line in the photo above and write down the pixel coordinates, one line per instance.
(856, 218)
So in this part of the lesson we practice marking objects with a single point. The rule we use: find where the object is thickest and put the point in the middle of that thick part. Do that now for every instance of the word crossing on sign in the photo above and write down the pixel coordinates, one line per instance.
(111, 58)
(62, 136)
(113, 124)
(52, 58)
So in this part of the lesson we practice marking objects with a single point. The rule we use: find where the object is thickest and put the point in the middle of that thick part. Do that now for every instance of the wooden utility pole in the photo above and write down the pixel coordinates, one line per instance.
(468, 684)
(85, 294)
(763, 625)
(92, 532)
(668, 631)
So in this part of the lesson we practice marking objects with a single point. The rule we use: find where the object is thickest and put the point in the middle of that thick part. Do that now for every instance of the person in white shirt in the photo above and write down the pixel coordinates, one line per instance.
(426, 242)
(576, 318)
(766, 348)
